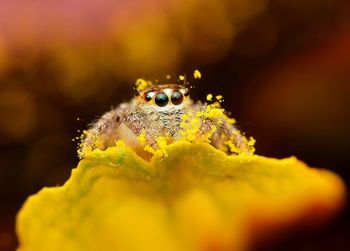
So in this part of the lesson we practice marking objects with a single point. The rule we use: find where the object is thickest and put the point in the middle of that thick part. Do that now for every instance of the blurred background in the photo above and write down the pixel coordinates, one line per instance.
(282, 65)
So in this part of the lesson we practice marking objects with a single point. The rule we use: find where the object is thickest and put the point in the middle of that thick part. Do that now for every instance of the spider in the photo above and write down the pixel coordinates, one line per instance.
(158, 111)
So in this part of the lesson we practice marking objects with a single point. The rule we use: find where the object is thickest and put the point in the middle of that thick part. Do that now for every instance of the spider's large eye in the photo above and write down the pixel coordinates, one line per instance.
(161, 99)
(148, 96)
(176, 97)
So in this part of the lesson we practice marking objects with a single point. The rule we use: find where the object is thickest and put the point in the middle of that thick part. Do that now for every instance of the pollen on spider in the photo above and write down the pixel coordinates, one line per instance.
(162, 114)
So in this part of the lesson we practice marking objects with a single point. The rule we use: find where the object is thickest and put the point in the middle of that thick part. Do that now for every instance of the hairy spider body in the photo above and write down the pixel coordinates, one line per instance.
(157, 111)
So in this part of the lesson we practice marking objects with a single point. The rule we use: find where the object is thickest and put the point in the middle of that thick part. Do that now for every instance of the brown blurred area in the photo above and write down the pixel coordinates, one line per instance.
(282, 66)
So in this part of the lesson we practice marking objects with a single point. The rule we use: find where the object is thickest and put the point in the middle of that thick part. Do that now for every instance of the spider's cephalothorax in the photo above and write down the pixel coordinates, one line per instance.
(157, 111)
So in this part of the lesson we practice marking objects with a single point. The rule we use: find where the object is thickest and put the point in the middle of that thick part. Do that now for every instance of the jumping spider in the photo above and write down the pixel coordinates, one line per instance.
(158, 111)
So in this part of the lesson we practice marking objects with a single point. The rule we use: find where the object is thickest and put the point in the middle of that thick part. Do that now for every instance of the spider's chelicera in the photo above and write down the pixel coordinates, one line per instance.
(165, 111)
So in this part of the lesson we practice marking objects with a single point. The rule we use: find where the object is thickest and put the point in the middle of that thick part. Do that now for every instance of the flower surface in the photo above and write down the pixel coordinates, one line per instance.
(195, 198)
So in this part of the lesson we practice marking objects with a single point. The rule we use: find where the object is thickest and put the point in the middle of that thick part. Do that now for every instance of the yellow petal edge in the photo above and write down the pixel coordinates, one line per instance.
(197, 198)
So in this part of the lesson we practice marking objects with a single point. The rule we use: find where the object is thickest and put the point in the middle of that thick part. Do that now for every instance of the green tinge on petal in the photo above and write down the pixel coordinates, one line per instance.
(197, 198)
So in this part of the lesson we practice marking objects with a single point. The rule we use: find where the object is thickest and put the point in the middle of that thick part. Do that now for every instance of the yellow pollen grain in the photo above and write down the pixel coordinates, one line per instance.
(197, 74)
(219, 97)
(142, 137)
(142, 84)
(210, 97)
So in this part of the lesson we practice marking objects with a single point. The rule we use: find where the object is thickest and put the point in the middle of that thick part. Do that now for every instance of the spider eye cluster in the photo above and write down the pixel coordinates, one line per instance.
(162, 99)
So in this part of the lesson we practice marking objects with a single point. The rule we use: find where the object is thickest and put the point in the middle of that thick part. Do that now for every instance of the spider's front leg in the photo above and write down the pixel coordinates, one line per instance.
(104, 132)
(226, 136)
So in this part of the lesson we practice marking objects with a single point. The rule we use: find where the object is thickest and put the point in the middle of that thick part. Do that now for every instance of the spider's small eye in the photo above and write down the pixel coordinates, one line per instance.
(148, 96)
(186, 92)
(161, 99)
(176, 98)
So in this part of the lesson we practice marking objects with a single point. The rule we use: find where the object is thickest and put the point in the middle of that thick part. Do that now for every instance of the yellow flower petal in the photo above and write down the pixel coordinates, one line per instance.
(196, 198)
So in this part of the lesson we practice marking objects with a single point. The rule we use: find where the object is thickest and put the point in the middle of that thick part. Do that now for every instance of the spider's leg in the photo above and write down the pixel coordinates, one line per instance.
(225, 137)
(103, 132)
(229, 137)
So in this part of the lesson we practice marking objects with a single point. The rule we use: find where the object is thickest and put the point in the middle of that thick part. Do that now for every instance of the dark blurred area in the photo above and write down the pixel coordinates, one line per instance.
(282, 66)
